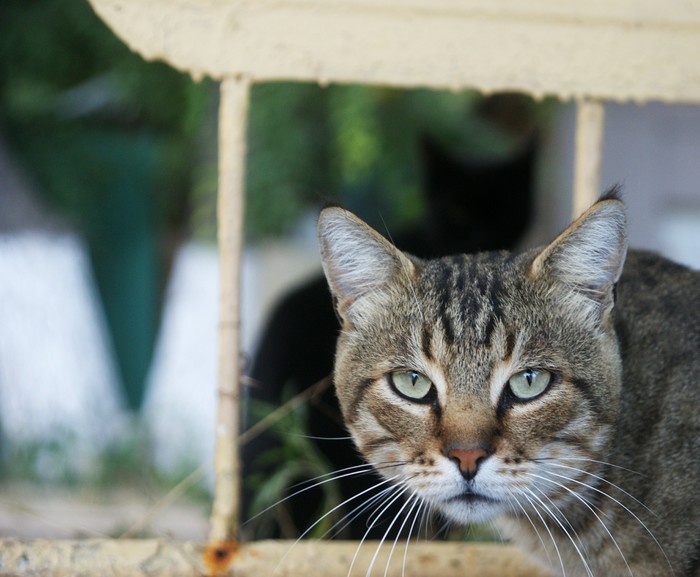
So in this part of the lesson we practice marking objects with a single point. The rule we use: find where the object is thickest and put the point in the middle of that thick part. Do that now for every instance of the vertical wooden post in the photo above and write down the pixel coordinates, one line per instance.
(233, 113)
(589, 146)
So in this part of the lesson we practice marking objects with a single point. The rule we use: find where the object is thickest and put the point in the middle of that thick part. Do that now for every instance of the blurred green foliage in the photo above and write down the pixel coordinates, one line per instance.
(67, 84)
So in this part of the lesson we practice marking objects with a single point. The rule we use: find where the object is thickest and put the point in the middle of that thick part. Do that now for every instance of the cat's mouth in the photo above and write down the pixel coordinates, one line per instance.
(468, 506)
(470, 497)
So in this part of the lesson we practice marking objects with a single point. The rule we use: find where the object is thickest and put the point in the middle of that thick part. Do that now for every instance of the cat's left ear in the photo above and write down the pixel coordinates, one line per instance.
(358, 262)
(588, 257)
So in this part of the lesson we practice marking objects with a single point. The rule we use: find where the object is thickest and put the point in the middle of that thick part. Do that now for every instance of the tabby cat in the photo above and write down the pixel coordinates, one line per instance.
(555, 391)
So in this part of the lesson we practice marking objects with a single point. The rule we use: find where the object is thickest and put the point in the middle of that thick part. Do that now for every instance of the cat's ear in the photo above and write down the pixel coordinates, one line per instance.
(357, 260)
(589, 255)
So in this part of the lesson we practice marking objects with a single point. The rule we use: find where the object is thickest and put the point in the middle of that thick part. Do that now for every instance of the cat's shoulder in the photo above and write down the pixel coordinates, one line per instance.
(655, 289)
(648, 269)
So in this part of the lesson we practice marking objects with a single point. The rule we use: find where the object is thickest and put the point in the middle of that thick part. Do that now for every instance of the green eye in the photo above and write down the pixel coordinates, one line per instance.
(411, 384)
(529, 383)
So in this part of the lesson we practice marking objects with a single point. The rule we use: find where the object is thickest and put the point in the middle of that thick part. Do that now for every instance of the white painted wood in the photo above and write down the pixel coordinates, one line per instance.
(233, 120)
(588, 154)
(616, 49)
(165, 558)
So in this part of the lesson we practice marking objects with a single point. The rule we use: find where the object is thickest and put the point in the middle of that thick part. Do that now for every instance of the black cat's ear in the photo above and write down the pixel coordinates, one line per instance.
(357, 261)
(588, 257)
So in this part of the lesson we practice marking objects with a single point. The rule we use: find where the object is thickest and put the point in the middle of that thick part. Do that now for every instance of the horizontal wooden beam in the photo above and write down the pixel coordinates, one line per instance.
(156, 558)
(613, 50)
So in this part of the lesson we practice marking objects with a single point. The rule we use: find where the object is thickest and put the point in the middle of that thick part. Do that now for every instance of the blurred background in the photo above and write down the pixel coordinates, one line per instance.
(108, 265)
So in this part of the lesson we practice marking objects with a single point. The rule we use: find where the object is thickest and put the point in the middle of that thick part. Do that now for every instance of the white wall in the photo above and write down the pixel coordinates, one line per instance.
(653, 151)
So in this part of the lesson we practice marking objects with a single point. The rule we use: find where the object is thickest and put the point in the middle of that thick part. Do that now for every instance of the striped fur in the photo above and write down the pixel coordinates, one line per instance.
(599, 474)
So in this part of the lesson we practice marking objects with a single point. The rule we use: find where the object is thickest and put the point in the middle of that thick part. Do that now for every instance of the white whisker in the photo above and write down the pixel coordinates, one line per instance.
(308, 529)
(592, 510)
(544, 547)
(588, 460)
(408, 539)
(386, 533)
(374, 517)
(556, 519)
(592, 488)
(365, 467)
(604, 480)
(416, 501)
(314, 438)
(357, 511)
(364, 470)
(400, 490)
(442, 529)
(425, 520)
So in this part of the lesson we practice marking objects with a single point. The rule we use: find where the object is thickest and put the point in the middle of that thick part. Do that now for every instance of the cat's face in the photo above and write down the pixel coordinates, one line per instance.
(474, 381)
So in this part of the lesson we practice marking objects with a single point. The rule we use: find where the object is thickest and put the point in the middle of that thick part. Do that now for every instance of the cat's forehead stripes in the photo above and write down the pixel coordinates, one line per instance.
(427, 341)
(470, 295)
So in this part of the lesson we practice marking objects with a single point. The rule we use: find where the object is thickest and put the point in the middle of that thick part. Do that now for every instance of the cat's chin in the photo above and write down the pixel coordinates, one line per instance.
(467, 508)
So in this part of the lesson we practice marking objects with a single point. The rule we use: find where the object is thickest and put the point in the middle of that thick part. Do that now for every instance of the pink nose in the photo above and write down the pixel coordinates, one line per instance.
(468, 460)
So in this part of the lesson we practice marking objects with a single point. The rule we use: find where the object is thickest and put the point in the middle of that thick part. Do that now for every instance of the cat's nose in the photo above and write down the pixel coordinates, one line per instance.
(468, 460)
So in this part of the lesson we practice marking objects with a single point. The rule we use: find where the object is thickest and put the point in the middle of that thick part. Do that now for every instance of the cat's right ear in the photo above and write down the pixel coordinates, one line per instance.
(357, 261)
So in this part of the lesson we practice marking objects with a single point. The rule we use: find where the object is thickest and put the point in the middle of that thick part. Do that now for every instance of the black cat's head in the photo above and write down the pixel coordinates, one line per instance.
(477, 204)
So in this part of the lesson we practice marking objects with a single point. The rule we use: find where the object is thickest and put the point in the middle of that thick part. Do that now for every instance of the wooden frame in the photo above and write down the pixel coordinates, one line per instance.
(619, 50)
